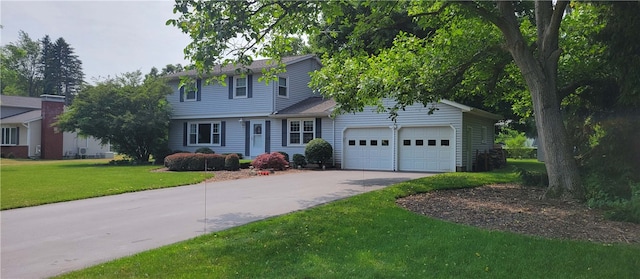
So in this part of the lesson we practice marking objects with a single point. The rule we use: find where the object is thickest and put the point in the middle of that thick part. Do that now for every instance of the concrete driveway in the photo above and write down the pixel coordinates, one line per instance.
(52, 239)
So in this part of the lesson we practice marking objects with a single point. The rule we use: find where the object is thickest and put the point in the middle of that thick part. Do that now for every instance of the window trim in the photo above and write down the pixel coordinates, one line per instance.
(198, 123)
(13, 135)
(483, 134)
(301, 132)
(246, 87)
(286, 87)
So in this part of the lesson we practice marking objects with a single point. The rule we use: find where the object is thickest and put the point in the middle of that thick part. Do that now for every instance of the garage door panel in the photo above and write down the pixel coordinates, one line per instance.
(430, 149)
(369, 148)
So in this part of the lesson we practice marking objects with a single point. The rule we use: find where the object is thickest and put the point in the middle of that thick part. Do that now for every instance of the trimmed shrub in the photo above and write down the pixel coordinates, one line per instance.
(205, 150)
(299, 160)
(232, 162)
(273, 160)
(245, 164)
(286, 156)
(194, 162)
(318, 151)
(240, 155)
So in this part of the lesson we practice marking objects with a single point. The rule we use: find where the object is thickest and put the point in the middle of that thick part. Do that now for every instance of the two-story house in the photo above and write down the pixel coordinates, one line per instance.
(251, 117)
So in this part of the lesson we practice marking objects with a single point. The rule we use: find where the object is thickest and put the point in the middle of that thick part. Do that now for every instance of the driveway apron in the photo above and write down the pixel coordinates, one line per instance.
(49, 240)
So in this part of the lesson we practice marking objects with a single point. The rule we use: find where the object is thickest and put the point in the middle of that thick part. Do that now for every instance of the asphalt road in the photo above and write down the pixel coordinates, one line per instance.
(49, 240)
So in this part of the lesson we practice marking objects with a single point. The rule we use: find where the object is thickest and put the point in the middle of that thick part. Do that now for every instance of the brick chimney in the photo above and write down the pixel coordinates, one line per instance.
(51, 138)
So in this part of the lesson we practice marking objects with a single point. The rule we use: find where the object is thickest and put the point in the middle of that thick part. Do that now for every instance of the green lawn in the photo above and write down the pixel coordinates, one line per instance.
(28, 183)
(368, 236)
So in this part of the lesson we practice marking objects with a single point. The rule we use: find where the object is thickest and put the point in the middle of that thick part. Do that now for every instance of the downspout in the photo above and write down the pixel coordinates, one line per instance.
(333, 121)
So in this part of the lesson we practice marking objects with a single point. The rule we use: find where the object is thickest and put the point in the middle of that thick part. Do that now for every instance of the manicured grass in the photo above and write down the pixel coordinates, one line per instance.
(368, 236)
(28, 183)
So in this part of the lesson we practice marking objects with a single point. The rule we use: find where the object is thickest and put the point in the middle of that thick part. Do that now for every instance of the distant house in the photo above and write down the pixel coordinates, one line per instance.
(251, 117)
(27, 131)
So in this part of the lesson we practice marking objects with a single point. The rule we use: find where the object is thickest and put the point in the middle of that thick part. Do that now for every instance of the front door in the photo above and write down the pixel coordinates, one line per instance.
(257, 138)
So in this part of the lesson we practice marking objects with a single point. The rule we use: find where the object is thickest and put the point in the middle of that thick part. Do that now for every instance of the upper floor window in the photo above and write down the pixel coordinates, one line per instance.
(191, 91)
(240, 87)
(301, 131)
(283, 87)
(10, 136)
(204, 133)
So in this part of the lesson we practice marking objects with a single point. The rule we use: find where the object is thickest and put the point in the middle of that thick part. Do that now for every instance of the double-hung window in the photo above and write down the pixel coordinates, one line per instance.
(301, 131)
(240, 87)
(10, 136)
(204, 133)
(283, 87)
(191, 91)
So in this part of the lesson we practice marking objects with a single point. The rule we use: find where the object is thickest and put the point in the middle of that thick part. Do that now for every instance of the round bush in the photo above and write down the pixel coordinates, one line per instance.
(273, 160)
(299, 160)
(318, 151)
(205, 150)
(232, 162)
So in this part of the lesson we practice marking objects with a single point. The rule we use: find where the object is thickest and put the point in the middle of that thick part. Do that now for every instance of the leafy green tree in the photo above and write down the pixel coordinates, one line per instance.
(131, 115)
(504, 53)
(20, 67)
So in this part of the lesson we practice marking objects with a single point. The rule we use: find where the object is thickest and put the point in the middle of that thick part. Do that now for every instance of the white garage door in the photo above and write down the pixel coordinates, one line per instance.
(425, 149)
(368, 148)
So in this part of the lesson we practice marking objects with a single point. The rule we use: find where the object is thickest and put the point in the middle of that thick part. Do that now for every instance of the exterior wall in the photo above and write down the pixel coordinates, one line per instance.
(215, 101)
(73, 142)
(415, 115)
(298, 78)
(16, 151)
(52, 138)
(477, 126)
(34, 140)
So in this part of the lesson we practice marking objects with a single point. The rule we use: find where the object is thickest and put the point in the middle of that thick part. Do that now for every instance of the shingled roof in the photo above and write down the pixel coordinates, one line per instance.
(310, 107)
(20, 102)
(256, 66)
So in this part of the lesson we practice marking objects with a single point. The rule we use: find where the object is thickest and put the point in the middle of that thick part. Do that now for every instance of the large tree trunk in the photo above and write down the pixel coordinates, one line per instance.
(539, 68)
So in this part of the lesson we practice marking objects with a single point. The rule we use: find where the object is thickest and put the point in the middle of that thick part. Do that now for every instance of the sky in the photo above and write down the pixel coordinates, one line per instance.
(109, 37)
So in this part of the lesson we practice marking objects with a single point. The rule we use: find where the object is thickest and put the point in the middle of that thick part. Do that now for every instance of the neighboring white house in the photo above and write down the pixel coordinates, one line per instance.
(27, 131)
(251, 117)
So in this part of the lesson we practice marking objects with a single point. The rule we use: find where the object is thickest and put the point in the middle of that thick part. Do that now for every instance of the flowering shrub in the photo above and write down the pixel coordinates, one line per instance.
(273, 160)
(194, 162)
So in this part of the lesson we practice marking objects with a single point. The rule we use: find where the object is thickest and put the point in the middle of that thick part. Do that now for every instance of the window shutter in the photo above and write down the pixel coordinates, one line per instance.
(199, 89)
(247, 138)
(267, 136)
(18, 136)
(318, 127)
(250, 86)
(223, 132)
(185, 135)
(230, 84)
(181, 93)
(284, 132)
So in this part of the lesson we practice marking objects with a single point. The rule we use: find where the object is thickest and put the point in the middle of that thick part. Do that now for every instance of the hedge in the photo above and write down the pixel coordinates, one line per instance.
(194, 162)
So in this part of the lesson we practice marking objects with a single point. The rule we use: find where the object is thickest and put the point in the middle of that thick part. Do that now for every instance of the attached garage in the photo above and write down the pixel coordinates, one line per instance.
(368, 148)
(440, 137)
(426, 149)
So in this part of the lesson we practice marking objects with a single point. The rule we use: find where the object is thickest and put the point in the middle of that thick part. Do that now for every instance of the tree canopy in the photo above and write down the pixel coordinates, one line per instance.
(31, 68)
(524, 58)
(132, 115)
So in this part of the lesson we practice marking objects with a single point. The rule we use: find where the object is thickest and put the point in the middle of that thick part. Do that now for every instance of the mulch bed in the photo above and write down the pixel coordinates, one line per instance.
(514, 208)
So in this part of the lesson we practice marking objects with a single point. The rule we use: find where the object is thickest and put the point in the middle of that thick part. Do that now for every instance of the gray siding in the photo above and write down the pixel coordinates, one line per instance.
(476, 124)
(215, 101)
(415, 115)
(298, 75)
(234, 136)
